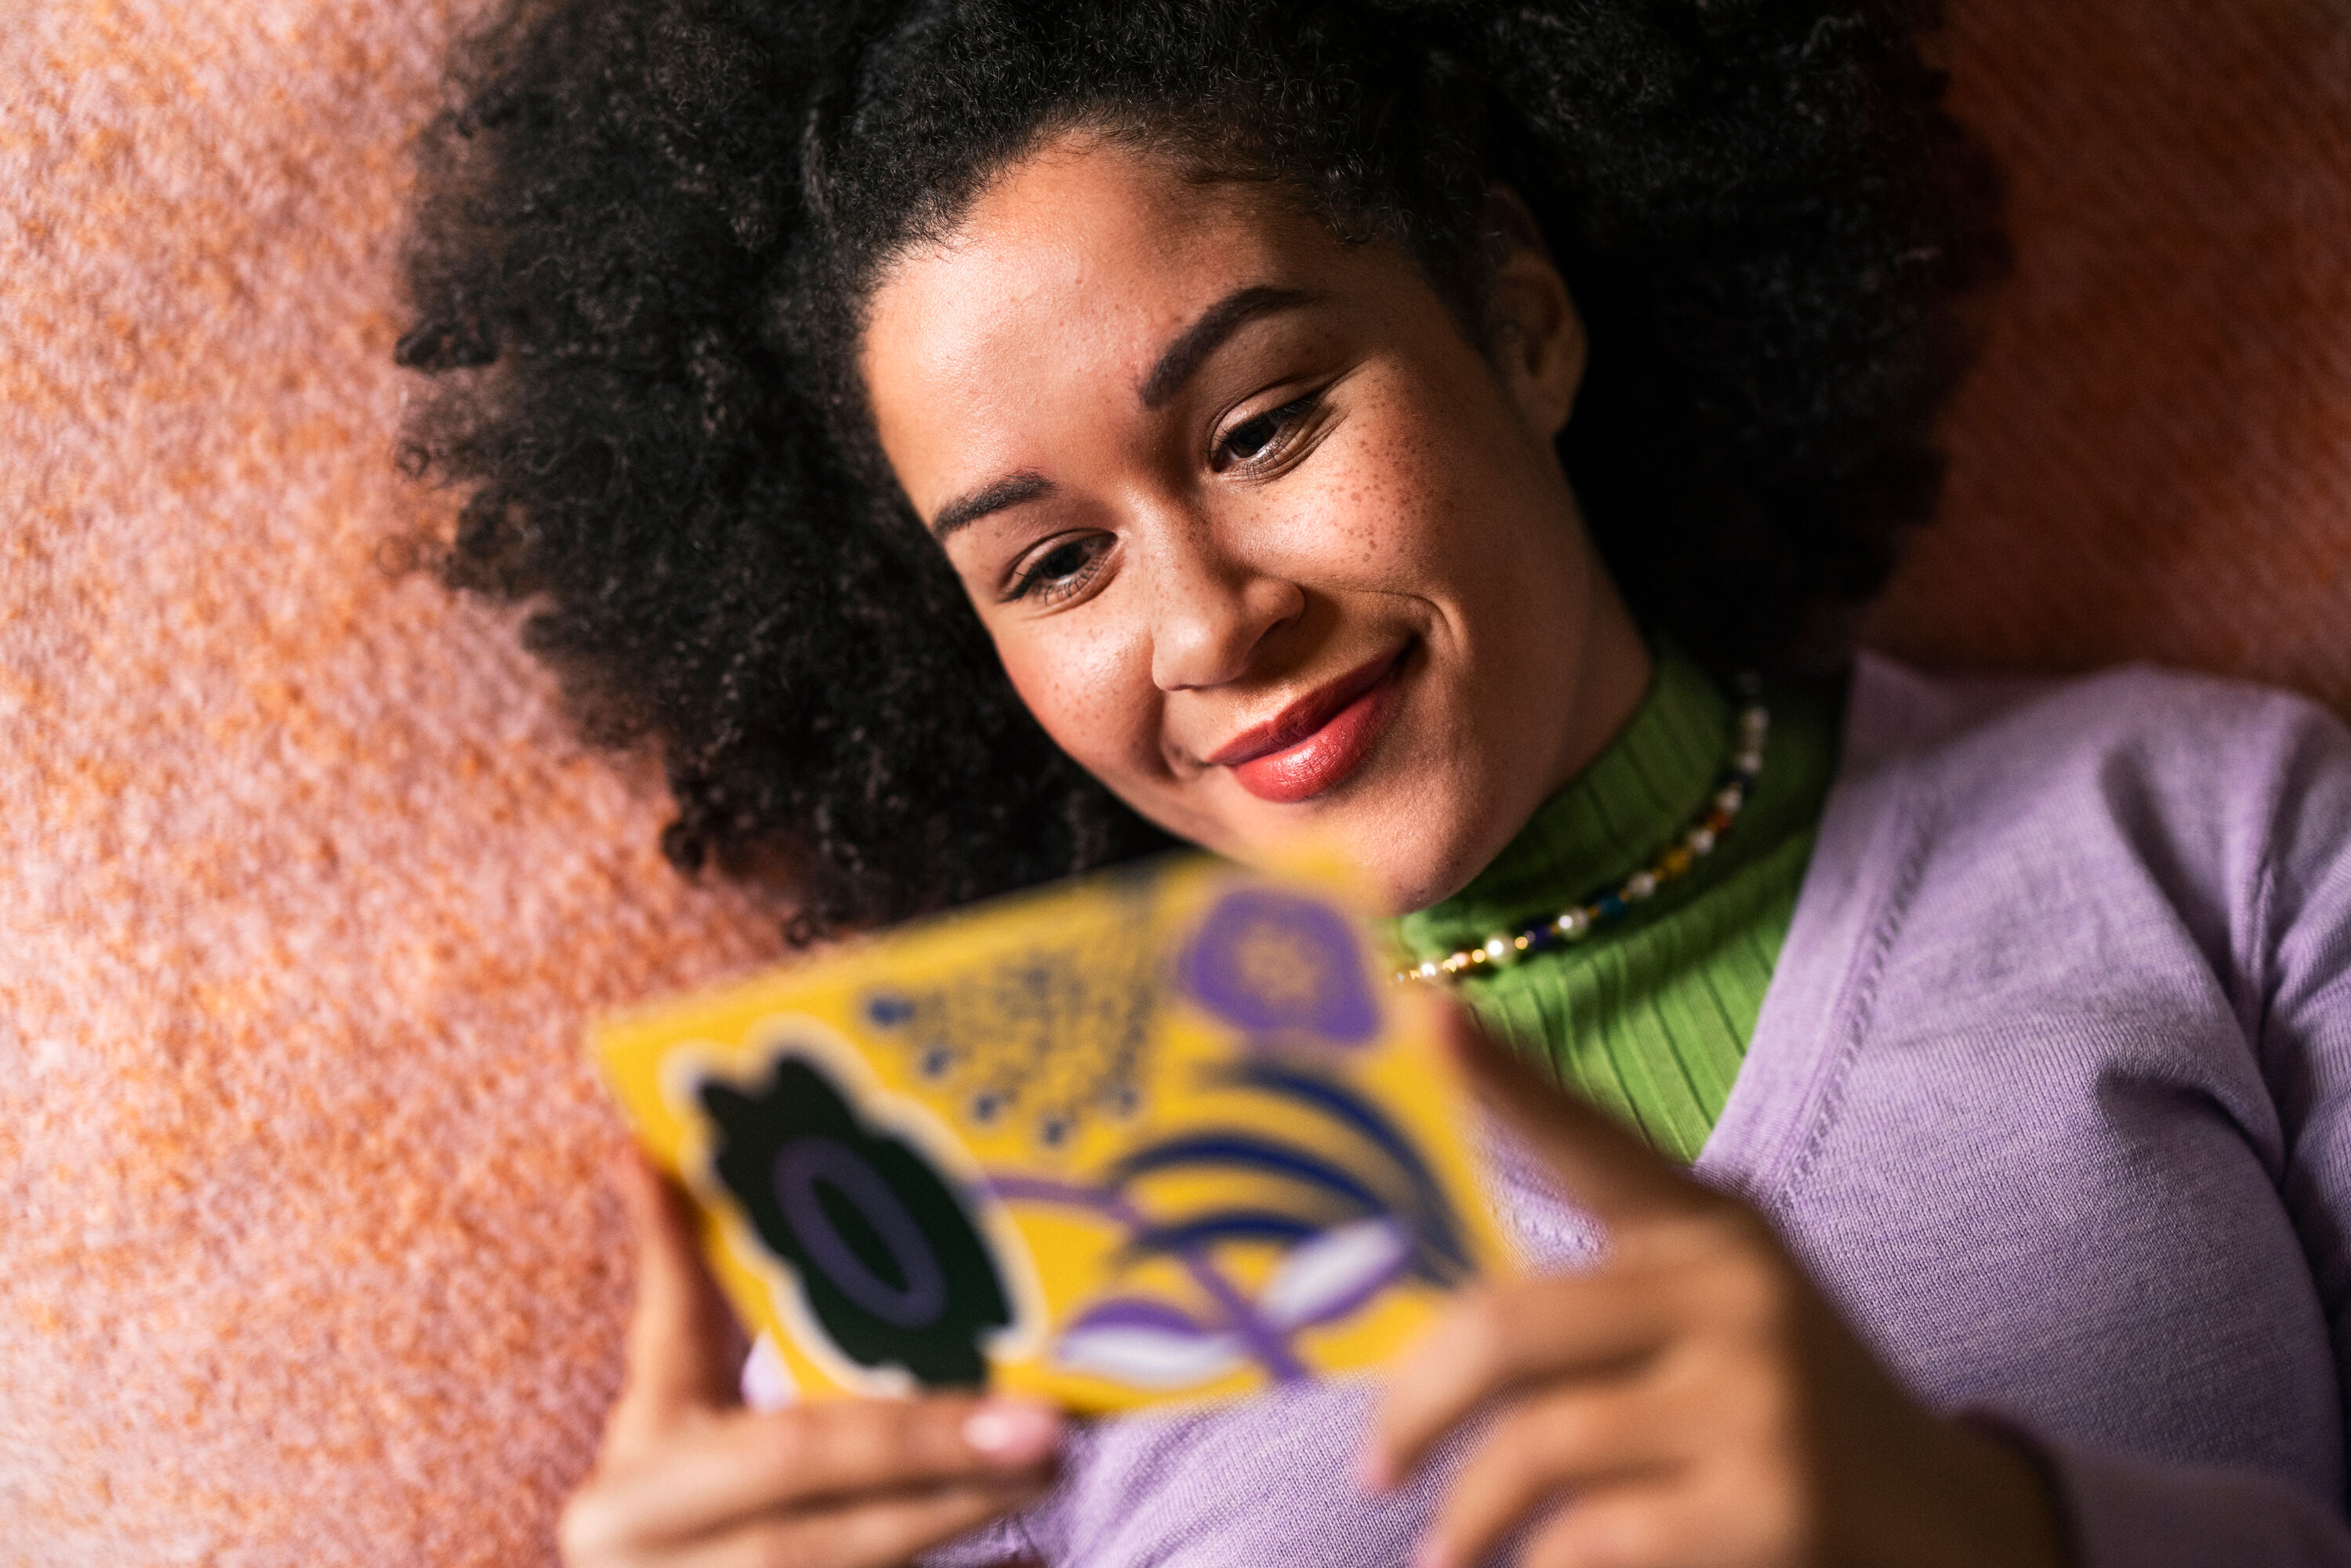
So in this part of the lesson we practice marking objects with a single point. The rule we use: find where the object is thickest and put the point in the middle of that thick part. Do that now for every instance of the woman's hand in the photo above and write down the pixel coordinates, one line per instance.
(1693, 1400)
(688, 1478)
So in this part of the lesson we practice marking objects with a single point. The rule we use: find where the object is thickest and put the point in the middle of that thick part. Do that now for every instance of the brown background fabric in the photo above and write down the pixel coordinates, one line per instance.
(2153, 458)
(305, 890)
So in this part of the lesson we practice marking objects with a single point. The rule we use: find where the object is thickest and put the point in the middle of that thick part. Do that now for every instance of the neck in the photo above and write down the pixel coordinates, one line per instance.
(1616, 669)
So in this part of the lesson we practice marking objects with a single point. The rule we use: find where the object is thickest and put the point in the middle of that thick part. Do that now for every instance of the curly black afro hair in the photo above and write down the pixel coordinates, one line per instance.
(645, 227)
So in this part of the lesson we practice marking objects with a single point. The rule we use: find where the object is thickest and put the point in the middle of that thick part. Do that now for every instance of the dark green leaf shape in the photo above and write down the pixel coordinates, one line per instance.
(885, 1250)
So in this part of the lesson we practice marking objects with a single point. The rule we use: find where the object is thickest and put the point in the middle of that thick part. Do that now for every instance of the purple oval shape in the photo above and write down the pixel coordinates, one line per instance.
(803, 1163)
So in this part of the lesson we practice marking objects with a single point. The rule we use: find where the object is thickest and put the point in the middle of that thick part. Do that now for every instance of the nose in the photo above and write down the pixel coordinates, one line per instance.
(1212, 608)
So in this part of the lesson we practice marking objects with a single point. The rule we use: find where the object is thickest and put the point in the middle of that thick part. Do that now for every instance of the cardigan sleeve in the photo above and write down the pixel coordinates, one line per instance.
(2126, 1513)
(2295, 978)
(2304, 1028)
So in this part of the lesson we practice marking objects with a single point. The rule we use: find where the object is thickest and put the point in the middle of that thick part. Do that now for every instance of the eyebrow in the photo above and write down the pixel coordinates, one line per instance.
(966, 511)
(1184, 357)
(1178, 363)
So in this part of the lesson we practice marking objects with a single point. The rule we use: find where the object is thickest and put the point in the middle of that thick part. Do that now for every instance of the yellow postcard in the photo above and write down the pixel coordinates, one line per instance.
(1166, 1133)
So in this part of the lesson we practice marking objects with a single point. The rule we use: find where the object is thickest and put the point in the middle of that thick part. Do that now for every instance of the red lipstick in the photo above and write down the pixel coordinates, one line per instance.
(1318, 739)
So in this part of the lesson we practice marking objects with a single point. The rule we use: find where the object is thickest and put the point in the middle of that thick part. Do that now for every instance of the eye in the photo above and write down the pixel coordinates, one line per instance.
(1063, 568)
(1253, 438)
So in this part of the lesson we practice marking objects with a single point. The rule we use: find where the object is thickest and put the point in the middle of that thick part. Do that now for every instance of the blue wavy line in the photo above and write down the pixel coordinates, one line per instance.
(1222, 1225)
(1436, 1214)
(1245, 1151)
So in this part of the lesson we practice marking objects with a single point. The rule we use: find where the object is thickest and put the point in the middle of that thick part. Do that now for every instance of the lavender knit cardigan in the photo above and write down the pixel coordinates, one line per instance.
(2052, 1092)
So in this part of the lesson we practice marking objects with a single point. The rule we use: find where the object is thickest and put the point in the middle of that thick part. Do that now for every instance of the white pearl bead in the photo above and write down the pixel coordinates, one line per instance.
(1574, 923)
(1640, 885)
(1428, 970)
(1700, 841)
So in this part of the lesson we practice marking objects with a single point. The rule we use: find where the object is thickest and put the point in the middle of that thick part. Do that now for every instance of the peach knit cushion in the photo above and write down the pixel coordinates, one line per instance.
(304, 890)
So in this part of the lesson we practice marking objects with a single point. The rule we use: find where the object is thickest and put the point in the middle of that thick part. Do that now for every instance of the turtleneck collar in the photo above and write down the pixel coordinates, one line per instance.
(1637, 795)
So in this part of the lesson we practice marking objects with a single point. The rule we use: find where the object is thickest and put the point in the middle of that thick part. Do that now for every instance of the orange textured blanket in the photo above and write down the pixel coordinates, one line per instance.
(305, 889)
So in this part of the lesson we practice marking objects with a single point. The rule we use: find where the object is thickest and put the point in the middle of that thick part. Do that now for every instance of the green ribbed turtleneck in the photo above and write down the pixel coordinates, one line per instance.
(1650, 1016)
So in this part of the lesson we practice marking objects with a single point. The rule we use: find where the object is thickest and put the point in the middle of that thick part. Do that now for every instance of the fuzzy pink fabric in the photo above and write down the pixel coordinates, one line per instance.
(308, 1256)
(305, 1254)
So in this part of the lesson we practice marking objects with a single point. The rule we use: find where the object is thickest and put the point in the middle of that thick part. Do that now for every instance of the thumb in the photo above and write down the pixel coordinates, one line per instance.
(684, 1347)
(1612, 1173)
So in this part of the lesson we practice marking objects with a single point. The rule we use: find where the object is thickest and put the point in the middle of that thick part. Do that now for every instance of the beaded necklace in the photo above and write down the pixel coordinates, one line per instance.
(1606, 906)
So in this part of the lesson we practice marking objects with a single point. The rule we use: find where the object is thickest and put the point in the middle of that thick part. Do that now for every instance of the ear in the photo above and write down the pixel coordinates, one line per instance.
(1533, 335)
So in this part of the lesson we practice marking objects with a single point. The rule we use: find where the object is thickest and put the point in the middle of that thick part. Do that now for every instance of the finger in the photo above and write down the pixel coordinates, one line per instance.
(875, 1534)
(1608, 1170)
(681, 1335)
(814, 1456)
(1556, 1327)
(1641, 1523)
(1579, 1440)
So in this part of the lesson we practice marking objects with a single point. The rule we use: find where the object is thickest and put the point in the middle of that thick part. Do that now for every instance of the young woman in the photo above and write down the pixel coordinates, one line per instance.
(979, 442)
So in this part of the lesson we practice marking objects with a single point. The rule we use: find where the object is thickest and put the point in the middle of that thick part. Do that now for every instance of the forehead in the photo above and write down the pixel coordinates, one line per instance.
(1074, 265)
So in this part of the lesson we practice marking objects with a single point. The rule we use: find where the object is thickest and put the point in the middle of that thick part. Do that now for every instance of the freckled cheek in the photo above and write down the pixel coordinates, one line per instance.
(1387, 508)
(1091, 688)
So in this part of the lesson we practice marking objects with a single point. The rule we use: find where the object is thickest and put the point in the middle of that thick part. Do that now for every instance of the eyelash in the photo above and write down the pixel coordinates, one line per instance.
(1055, 586)
(1280, 419)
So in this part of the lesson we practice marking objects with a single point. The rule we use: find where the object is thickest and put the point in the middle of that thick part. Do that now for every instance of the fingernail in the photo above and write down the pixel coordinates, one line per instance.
(1013, 1432)
(1429, 1554)
(1371, 1471)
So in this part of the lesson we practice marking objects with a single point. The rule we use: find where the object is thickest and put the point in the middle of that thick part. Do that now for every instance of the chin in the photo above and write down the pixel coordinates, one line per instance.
(1392, 888)
(1402, 860)
(1419, 835)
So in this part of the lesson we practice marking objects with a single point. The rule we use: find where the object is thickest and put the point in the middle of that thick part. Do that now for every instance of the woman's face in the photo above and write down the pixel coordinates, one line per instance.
(1265, 541)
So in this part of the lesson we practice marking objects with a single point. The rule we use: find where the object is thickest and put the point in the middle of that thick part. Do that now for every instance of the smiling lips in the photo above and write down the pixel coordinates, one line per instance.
(1318, 739)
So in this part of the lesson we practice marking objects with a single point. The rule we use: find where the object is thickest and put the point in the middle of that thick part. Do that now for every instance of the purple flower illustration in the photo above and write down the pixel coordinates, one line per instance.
(1281, 968)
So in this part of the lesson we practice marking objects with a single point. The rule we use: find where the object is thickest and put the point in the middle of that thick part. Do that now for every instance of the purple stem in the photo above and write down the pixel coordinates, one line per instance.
(1262, 1338)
